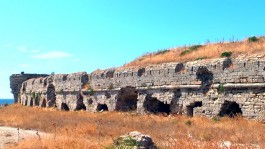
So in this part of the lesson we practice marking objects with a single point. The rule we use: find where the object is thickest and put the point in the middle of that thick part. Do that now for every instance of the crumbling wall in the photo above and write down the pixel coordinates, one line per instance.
(193, 88)
(68, 89)
(16, 81)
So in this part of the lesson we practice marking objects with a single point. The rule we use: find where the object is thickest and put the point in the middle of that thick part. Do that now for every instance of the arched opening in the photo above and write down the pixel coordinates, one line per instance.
(65, 77)
(26, 102)
(37, 99)
(31, 101)
(230, 109)
(179, 68)
(110, 73)
(102, 107)
(80, 103)
(228, 62)
(127, 99)
(140, 72)
(155, 106)
(190, 108)
(64, 107)
(45, 82)
(43, 104)
(51, 96)
(90, 101)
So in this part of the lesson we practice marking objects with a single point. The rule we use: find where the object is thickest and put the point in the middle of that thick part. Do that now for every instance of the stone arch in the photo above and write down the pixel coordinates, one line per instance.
(80, 103)
(102, 107)
(140, 72)
(31, 101)
(230, 109)
(43, 103)
(65, 77)
(228, 62)
(153, 105)
(26, 102)
(90, 101)
(127, 99)
(24, 87)
(37, 99)
(64, 107)
(179, 67)
(51, 96)
(45, 82)
(206, 77)
(110, 73)
(190, 108)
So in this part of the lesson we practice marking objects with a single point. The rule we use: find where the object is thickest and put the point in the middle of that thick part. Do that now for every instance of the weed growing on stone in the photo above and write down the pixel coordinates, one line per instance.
(226, 54)
(190, 49)
(221, 88)
(253, 39)
(160, 52)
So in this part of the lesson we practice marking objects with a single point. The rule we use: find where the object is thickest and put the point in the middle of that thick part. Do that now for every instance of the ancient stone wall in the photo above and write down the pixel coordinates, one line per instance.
(206, 87)
(16, 81)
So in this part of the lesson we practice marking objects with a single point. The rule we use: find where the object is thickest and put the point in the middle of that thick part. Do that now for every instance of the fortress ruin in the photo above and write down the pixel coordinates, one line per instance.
(213, 87)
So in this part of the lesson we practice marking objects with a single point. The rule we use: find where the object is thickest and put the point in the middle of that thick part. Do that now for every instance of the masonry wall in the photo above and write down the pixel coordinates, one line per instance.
(206, 87)
(16, 81)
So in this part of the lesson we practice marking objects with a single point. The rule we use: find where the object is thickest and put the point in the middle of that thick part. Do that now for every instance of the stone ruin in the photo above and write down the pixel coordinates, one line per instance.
(215, 87)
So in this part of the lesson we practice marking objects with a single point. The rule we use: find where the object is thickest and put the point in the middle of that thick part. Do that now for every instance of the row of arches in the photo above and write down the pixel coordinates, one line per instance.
(127, 100)
(37, 99)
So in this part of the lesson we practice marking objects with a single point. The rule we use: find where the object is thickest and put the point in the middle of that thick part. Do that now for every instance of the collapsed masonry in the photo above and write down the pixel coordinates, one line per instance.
(207, 87)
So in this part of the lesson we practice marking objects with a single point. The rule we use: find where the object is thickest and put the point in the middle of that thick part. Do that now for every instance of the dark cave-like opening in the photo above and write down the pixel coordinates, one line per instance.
(230, 109)
(102, 107)
(155, 106)
(127, 99)
(190, 108)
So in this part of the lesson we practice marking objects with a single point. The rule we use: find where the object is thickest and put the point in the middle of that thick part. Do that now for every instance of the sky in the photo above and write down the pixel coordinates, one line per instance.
(66, 36)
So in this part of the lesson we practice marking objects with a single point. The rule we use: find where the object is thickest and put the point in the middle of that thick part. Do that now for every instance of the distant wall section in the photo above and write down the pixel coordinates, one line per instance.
(16, 81)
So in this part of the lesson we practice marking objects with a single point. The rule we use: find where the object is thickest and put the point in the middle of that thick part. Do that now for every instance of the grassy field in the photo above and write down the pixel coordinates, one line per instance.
(78, 130)
(252, 45)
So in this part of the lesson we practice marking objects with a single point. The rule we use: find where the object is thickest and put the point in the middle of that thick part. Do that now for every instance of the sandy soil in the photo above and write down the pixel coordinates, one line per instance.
(10, 135)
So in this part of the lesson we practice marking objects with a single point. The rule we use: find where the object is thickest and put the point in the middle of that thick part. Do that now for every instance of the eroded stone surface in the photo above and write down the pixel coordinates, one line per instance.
(191, 88)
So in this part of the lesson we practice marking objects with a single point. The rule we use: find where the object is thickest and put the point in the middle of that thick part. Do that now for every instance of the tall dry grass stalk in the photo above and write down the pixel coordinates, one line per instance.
(206, 51)
(79, 130)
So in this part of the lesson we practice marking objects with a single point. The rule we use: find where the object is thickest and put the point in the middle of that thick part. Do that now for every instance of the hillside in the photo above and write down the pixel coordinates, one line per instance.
(250, 46)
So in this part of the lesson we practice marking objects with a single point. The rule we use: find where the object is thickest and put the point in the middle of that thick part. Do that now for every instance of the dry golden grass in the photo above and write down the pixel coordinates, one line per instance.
(206, 51)
(79, 130)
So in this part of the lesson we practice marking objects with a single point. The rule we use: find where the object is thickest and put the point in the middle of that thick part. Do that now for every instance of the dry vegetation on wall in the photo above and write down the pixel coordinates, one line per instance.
(252, 45)
(79, 130)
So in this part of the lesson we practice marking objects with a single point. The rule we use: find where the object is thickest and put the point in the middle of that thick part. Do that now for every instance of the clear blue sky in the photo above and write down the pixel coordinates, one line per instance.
(64, 36)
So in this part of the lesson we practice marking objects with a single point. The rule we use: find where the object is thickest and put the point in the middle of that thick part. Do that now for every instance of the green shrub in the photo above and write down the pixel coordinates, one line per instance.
(159, 52)
(253, 39)
(190, 49)
(201, 58)
(195, 47)
(33, 95)
(221, 88)
(124, 143)
(91, 92)
(184, 52)
(226, 54)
